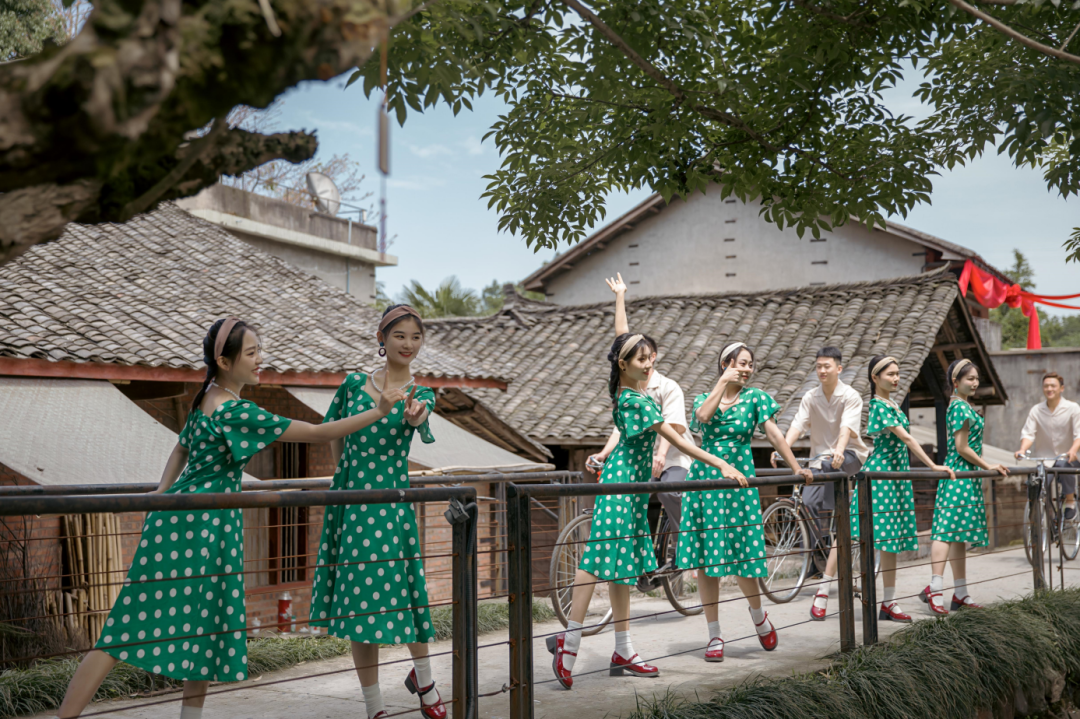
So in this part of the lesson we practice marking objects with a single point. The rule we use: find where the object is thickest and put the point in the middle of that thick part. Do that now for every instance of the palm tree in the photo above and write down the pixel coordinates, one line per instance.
(449, 299)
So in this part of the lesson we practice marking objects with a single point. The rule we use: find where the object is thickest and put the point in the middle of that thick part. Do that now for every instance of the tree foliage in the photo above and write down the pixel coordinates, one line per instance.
(780, 99)
(26, 25)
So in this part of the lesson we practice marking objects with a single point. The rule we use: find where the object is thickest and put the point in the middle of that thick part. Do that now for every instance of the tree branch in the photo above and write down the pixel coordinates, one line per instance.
(1019, 37)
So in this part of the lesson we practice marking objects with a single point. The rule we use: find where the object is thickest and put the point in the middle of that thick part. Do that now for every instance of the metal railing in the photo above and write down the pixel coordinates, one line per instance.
(461, 516)
(520, 498)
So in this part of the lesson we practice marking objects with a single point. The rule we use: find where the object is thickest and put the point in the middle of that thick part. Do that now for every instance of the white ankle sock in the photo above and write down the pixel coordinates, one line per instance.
(824, 591)
(937, 582)
(187, 712)
(714, 630)
(888, 595)
(423, 679)
(623, 647)
(763, 627)
(372, 700)
(571, 643)
(830, 584)
(960, 588)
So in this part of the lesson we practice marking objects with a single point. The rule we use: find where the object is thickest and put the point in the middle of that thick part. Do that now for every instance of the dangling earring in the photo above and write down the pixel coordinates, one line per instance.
(382, 350)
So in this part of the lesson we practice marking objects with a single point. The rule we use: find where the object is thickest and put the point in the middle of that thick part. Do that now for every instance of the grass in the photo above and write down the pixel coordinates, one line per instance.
(42, 686)
(948, 667)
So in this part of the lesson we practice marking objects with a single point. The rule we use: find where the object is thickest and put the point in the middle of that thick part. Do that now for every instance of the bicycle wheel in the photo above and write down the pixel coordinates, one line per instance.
(1069, 534)
(672, 579)
(787, 552)
(565, 560)
(1029, 529)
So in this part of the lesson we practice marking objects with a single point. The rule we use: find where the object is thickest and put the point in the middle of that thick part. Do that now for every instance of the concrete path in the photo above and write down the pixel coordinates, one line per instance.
(804, 646)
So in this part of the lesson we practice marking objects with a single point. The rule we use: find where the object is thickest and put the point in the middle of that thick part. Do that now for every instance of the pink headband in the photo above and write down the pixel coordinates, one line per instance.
(223, 335)
(396, 313)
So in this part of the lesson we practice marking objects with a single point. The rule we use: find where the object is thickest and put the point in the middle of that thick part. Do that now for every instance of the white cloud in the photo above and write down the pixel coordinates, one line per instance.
(415, 183)
(472, 145)
(427, 151)
(338, 125)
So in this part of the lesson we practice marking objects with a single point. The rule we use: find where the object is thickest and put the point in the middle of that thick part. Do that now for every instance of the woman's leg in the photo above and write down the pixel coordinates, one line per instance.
(888, 570)
(750, 589)
(620, 605)
(194, 694)
(958, 561)
(366, 660)
(939, 552)
(584, 584)
(92, 671)
(424, 679)
(709, 591)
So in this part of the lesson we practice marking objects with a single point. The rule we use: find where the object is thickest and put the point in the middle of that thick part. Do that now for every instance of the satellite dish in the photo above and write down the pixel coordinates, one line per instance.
(324, 192)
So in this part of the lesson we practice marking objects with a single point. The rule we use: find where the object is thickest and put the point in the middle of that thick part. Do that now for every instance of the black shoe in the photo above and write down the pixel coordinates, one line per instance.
(1070, 514)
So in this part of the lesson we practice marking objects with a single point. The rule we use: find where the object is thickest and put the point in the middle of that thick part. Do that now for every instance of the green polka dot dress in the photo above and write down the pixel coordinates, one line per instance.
(959, 512)
(620, 548)
(369, 581)
(181, 610)
(892, 500)
(721, 529)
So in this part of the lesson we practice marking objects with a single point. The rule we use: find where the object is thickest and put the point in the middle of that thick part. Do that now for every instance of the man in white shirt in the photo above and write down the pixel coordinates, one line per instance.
(832, 414)
(1053, 427)
(669, 464)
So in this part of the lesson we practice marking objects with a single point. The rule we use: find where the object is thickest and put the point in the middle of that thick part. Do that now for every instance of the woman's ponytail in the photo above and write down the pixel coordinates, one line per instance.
(230, 350)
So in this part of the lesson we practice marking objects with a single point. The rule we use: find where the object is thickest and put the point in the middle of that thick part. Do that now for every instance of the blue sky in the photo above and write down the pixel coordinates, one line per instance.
(441, 227)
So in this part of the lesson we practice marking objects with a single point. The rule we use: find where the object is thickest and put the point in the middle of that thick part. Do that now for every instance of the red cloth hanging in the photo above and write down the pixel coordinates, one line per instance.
(991, 292)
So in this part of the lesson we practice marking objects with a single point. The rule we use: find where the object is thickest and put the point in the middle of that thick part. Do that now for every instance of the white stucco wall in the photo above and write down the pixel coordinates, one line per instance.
(709, 245)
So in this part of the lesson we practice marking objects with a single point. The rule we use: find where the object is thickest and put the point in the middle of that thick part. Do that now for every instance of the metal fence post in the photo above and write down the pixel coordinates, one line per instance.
(463, 521)
(842, 495)
(866, 543)
(520, 591)
(1035, 530)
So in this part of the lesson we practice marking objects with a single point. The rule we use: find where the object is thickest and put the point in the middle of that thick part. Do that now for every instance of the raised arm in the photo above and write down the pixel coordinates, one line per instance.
(173, 468)
(666, 431)
(622, 325)
(707, 409)
(917, 450)
(328, 431)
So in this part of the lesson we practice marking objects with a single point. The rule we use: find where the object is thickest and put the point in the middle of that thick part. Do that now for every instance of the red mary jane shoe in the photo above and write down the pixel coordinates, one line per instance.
(715, 651)
(620, 666)
(555, 646)
(927, 597)
(380, 715)
(770, 640)
(964, 603)
(818, 613)
(431, 711)
(892, 613)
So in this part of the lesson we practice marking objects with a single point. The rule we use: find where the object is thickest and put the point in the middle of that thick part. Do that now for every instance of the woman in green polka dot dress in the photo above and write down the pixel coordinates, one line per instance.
(181, 611)
(369, 584)
(721, 529)
(892, 500)
(620, 547)
(959, 511)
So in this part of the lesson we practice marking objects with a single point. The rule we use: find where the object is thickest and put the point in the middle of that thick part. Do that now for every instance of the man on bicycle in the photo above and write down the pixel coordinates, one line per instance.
(832, 414)
(1053, 427)
(669, 464)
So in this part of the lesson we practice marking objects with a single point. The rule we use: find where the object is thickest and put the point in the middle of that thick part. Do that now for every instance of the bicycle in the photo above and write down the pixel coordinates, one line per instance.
(794, 541)
(1055, 528)
(570, 546)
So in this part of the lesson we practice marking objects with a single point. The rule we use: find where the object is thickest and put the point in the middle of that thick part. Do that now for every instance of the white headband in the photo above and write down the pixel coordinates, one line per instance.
(729, 349)
(882, 364)
(629, 345)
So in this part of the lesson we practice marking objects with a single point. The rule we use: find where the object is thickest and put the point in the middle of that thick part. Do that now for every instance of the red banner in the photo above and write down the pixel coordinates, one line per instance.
(990, 292)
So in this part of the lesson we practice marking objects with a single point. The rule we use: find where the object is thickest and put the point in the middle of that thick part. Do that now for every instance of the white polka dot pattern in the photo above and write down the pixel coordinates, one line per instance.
(959, 513)
(620, 548)
(368, 575)
(893, 501)
(721, 529)
(180, 588)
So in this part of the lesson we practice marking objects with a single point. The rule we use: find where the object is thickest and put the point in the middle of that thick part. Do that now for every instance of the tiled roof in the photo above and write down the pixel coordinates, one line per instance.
(145, 292)
(554, 355)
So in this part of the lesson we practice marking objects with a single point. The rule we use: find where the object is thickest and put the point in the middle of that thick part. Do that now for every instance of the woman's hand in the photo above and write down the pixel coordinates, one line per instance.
(806, 474)
(598, 460)
(943, 468)
(1000, 469)
(729, 375)
(729, 472)
(414, 409)
(616, 285)
(388, 399)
